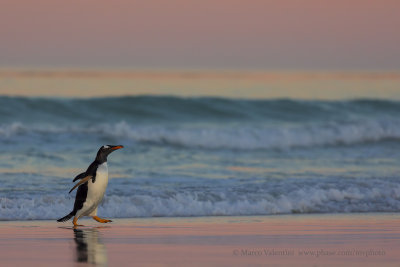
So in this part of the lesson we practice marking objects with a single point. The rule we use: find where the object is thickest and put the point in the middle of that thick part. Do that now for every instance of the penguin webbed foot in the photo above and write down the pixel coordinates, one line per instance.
(100, 220)
(75, 224)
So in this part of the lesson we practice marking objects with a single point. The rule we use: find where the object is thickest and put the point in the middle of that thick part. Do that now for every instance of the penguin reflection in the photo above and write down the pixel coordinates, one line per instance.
(89, 247)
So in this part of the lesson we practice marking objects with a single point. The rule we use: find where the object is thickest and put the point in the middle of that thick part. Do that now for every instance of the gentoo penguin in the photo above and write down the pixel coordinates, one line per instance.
(92, 186)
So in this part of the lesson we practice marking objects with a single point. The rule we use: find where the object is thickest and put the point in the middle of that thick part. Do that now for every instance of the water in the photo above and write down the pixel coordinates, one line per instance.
(201, 156)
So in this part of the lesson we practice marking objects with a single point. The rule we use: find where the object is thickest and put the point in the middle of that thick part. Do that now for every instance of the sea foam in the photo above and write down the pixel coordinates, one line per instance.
(275, 197)
(245, 136)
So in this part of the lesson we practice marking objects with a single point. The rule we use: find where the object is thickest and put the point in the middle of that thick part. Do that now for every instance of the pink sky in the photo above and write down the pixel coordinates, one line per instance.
(275, 34)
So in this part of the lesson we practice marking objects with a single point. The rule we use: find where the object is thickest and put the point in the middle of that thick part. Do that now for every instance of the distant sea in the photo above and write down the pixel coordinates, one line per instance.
(201, 156)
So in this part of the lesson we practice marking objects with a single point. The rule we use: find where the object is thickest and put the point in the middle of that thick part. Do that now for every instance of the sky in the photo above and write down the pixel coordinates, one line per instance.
(207, 34)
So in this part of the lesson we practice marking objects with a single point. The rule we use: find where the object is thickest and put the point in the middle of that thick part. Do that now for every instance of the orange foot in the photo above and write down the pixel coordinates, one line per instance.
(75, 224)
(100, 220)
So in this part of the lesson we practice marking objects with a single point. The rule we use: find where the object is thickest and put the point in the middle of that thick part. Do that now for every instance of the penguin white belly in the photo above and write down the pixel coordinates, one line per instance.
(96, 191)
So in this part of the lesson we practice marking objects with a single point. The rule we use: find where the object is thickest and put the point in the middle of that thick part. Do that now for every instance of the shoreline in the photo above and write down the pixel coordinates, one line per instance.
(215, 217)
(301, 239)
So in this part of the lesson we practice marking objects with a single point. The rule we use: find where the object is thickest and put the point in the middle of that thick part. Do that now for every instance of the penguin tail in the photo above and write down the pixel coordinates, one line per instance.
(66, 218)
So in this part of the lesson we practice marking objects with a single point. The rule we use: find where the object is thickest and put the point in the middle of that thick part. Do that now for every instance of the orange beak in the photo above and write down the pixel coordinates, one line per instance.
(117, 147)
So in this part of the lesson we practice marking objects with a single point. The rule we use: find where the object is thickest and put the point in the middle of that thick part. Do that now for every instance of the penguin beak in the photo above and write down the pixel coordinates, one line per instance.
(116, 147)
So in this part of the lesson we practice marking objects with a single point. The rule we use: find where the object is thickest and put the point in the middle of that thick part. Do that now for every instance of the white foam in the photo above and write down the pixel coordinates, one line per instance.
(12, 129)
(259, 137)
(244, 136)
(377, 196)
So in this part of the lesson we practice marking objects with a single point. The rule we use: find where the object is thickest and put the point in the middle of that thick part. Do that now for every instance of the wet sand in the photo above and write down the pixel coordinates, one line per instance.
(303, 240)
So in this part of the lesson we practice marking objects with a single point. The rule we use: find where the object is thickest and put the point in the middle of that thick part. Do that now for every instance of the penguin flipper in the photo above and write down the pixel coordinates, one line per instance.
(80, 176)
(84, 180)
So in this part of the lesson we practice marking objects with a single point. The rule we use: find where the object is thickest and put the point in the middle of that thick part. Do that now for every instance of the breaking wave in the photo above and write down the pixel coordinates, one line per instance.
(201, 122)
(274, 197)
(246, 136)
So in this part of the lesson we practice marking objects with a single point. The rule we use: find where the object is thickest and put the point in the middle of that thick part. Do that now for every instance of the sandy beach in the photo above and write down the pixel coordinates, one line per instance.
(369, 239)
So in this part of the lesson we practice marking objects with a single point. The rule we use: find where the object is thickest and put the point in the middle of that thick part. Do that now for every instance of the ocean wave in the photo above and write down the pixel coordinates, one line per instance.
(214, 136)
(262, 137)
(343, 196)
(167, 108)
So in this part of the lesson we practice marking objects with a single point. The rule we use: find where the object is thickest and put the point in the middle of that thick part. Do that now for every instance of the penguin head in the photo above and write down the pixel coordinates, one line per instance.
(105, 150)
